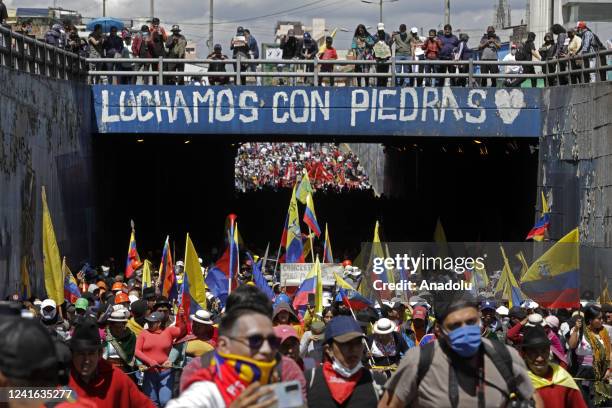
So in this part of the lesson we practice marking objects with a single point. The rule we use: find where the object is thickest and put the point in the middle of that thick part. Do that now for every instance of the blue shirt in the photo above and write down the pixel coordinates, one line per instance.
(449, 43)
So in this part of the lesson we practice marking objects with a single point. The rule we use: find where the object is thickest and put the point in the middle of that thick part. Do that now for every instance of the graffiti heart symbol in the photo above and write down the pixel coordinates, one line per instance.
(509, 104)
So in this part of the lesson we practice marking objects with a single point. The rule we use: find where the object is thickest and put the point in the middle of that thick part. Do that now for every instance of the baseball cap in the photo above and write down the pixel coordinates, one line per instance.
(342, 329)
(419, 312)
(284, 332)
(502, 311)
(317, 329)
(380, 26)
(414, 30)
(487, 304)
(81, 303)
(154, 317)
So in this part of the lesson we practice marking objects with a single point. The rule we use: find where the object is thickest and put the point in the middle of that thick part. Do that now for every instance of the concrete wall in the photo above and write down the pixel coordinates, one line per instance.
(44, 140)
(576, 169)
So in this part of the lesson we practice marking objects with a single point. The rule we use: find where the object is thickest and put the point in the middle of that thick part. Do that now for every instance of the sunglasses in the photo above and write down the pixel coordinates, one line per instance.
(255, 341)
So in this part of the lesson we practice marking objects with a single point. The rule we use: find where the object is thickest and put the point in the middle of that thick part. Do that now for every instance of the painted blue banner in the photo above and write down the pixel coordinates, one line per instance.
(346, 111)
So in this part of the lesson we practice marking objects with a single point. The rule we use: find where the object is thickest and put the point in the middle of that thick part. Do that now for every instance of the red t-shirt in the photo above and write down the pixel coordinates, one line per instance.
(154, 348)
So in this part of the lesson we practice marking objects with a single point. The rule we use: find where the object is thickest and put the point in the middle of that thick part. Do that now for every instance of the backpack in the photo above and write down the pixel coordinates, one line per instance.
(521, 52)
(497, 352)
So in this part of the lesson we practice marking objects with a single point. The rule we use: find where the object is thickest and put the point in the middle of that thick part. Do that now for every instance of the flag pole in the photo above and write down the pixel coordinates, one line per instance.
(229, 241)
(311, 245)
(364, 340)
(237, 252)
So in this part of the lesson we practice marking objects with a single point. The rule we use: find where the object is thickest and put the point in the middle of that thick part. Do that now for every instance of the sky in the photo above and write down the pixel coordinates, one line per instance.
(260, 16)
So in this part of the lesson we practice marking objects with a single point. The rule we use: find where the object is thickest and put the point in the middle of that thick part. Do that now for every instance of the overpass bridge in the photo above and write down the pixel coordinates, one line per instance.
(107, 152)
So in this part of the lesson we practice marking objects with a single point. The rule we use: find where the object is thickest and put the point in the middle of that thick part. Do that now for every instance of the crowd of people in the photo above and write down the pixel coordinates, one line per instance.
(276, 165)
(383, 46)
(116, 342)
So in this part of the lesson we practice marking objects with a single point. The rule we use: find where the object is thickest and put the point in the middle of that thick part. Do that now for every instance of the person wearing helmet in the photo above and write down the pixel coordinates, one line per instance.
(218, 55)
(307, 52)
(122, 298)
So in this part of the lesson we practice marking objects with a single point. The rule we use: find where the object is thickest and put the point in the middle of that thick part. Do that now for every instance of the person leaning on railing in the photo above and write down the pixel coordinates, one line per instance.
(547, 53)
(96, 49)
(177, 45)
(362, 51)
(217, 54)
(141, 48)
(561, 51)
(575, 44)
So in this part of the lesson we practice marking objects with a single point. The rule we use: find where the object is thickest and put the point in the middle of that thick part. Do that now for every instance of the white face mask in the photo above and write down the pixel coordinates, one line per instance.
(343, 371)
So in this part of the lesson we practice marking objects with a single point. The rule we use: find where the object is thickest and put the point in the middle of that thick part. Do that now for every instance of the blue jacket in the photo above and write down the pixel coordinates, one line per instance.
(253, 47)
(448, 46)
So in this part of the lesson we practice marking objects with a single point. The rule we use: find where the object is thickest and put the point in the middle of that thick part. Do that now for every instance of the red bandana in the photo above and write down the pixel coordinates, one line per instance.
(341, 388)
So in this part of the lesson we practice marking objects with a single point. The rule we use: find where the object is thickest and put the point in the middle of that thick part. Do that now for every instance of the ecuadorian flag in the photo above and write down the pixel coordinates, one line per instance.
(310, 217)
(313, 283)
(539, 229)
(554, 279)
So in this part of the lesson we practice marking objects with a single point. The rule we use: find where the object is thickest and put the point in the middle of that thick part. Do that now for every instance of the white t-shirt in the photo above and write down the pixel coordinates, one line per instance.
(201, 394)
(512, 69)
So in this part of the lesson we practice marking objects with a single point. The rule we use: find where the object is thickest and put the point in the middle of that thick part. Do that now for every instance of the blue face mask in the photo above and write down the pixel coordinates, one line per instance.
(465, 340)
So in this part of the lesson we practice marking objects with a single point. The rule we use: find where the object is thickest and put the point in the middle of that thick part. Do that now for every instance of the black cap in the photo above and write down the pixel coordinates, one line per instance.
(148, 293)
(535, 337)
(217, 47)
(155, 20)
(162, 301)
(27, 351)
(517, 312)
(86, 336)
(139, 308)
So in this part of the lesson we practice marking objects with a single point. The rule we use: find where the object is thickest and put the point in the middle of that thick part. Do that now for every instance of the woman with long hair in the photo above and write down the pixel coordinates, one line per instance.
(591, 344)
(362, 50)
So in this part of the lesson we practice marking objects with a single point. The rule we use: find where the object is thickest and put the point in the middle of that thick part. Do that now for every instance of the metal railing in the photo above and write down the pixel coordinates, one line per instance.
(242, 69)
(27, 54)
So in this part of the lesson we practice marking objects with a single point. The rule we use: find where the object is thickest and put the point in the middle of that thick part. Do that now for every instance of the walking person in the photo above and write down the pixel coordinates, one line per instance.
(361, 48)
(489, 46)
(153, 346)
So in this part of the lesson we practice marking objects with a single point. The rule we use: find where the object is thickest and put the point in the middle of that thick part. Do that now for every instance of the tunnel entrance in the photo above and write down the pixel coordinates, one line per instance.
(481, 190)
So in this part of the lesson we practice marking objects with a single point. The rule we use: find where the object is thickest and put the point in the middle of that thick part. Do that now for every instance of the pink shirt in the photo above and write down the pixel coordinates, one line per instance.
(153, 348)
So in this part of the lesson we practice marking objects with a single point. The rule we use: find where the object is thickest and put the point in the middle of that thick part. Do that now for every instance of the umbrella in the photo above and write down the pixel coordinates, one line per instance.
(106, 23)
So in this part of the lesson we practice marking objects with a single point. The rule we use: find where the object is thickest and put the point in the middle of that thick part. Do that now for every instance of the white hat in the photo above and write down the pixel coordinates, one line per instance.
(384, 326)
(37, 302)
(551, 321)
(132, 298)
(200, 260)
(414, 30)
(105, 268)
(381, 26)
(180, 263)
(119, 315)
(502, 311)
(48, 303)
(535, 319)
(356, 271)
(92, 288)
(202, 316)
